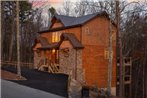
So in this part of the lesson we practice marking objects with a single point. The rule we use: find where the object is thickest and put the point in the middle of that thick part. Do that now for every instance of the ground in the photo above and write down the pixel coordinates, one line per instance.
(14, 90)
(10, 76)
(52, 83)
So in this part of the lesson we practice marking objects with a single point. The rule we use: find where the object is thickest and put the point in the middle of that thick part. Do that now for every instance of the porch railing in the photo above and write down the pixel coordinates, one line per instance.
(49, 65)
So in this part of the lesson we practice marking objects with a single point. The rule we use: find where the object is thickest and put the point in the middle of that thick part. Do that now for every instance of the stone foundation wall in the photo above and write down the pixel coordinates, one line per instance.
(71, 64)
(37, 59)
(80, 69)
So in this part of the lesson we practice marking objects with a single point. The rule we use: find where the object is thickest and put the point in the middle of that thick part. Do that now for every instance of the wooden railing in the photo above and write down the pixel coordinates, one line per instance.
(15, 63)
(52, 68)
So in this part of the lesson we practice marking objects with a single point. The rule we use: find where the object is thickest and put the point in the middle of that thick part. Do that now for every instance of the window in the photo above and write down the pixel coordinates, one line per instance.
(106, 53)
(87, 30)
(55, 53)
(113, 35)
(56, 36)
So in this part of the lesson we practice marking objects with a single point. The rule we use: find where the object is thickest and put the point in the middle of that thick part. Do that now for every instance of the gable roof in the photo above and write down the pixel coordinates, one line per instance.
(42, 40)
(44, 43)
(65, 36)
(73, 40)
(69, 21)
(49, 46)
(66, 20)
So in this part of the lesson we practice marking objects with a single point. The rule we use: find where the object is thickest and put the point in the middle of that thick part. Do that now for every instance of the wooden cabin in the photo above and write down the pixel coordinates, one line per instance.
(78, 46)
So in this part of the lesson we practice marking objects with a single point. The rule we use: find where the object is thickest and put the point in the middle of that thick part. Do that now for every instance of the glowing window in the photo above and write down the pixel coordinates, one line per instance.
(56, 36)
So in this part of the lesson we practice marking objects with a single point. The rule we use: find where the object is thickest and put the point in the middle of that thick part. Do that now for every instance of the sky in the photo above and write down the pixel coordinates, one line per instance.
(58, 3)
(54, 3)
(46, 4)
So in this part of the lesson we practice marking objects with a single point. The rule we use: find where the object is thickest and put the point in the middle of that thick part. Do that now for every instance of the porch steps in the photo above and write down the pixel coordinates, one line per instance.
(53, 68)
(48, 66)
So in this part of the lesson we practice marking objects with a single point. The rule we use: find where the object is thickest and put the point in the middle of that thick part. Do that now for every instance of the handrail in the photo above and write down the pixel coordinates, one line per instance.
(52, 68)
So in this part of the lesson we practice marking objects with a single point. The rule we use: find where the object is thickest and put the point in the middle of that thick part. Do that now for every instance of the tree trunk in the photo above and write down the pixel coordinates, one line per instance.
(110, 59)
(121, 84)
(18, 41)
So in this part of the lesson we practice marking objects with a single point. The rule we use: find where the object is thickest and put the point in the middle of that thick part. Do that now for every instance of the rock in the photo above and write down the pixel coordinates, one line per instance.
(74, 89)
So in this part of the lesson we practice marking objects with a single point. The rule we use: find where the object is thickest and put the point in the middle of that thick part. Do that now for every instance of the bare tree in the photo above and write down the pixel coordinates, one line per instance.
(18, 40)
(30, 23)
(66, 9)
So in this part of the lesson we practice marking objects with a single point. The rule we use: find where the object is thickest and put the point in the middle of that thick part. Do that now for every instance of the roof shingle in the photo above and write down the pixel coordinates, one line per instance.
(65, 36)
(71, 21)
(73, 40)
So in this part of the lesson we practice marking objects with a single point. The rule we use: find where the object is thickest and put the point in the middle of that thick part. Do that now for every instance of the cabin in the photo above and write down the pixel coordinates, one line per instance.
(78, 46)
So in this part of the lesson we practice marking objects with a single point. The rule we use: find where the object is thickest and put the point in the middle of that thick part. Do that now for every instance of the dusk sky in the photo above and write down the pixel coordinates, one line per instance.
(57, 3)
(46, 4)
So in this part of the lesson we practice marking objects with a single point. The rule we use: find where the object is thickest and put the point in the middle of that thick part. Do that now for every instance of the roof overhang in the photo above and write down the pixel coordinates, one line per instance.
(58, 29)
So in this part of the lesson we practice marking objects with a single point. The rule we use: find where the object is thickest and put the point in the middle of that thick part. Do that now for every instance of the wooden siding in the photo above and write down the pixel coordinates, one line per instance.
(57, 24)
(75, 31)
(94, 36)
(95, 40)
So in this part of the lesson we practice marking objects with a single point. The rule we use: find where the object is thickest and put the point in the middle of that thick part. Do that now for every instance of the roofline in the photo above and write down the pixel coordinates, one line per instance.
(56, 19)
(100, 15)
(60, 28)
(73, 26)
(63, 38)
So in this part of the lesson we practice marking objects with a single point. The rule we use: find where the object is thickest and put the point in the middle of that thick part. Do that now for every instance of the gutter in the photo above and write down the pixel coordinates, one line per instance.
(58, 29)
